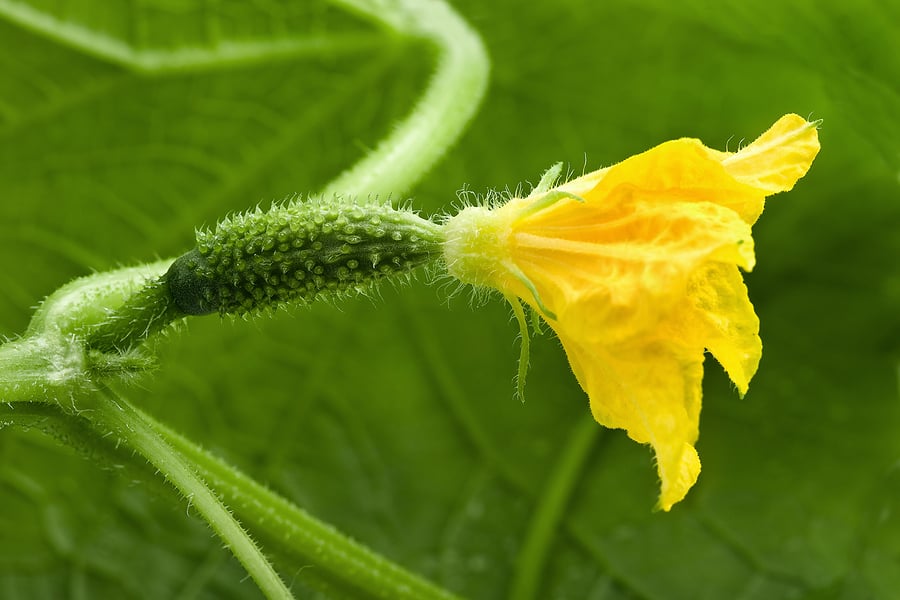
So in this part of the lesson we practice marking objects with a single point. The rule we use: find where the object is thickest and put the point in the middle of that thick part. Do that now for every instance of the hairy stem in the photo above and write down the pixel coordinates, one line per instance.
(301, 535)
(293, 537)
(40, 369)
(115, 414)
(441, 114)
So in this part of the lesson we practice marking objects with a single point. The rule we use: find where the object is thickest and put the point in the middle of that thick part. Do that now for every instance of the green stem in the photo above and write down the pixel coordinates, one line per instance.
(289, 531)
(550, 508)
(300, 534)
(143, 315)
(441, 114)
(115, 414)
(41, 369)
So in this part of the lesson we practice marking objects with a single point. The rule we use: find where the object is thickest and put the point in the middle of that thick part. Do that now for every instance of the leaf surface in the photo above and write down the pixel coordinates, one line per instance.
(123, 129)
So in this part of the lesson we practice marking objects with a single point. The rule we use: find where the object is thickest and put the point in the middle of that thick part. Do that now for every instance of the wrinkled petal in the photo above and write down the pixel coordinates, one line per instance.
(722, 316)
(773, 163)
(680, 170)
(652, 391)
(778, 158)
(627, 262)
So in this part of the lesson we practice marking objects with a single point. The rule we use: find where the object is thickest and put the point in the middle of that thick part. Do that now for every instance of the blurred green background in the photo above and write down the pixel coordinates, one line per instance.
(394, 418)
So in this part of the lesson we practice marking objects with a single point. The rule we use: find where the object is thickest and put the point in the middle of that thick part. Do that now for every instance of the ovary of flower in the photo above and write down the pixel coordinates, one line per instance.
(635, 267)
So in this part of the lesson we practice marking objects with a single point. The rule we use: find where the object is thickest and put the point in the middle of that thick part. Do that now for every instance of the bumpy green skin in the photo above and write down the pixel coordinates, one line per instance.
(297, 253)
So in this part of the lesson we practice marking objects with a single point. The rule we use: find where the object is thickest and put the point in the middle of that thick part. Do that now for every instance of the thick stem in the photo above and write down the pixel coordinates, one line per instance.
(145, 314)
(116, 415)
(441, 114)
(42, 368)
(292, 536)
(300, 534)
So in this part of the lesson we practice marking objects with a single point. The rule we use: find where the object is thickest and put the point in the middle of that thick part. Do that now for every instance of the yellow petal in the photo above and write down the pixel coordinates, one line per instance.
(652, 390)
(723, 318)
(584, 184)
(618, 267)
(778, 158)
(678, 169)
(678, 471)
(684, 170)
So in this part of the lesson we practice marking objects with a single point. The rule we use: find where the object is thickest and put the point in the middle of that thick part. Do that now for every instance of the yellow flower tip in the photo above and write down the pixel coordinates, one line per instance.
(639, 266)
(778, 158)
(678, 475)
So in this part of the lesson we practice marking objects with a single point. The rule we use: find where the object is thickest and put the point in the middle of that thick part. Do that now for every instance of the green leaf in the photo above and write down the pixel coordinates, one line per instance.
(124, 128)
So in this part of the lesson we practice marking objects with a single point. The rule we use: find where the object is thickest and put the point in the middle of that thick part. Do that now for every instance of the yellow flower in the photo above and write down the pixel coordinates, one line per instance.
(636, 269)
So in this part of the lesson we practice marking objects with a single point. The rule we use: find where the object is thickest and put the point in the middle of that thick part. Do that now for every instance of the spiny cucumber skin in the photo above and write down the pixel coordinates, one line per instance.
(296, 253)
